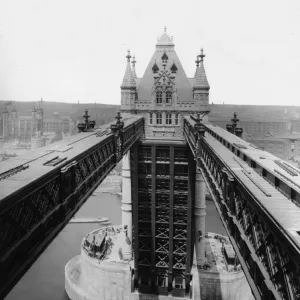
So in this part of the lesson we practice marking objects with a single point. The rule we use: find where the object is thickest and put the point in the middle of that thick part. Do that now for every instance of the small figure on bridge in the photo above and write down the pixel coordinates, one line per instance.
(200, 235)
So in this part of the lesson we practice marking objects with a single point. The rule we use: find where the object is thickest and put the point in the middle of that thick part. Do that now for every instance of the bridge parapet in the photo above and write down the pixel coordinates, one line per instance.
(261, 216)
(42, 190)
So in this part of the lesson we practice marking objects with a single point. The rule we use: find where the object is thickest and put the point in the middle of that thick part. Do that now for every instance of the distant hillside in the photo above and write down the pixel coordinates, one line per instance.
(255, 112)
(100, 112)
(103, 113)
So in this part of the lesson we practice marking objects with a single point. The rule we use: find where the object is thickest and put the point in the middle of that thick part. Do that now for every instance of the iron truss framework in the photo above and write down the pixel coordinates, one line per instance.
(270, 260)
(32, 215)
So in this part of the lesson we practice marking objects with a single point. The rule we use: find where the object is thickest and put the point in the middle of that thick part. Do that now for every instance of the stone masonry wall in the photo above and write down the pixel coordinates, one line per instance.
(218, 286)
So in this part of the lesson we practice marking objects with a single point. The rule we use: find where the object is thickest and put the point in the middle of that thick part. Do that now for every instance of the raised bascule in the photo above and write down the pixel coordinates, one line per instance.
(171, 154)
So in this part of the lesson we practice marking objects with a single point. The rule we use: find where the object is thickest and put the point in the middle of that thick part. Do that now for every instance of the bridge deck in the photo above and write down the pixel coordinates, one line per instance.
(261, 157)
(258, 198)
(281, 209)
(68, 149)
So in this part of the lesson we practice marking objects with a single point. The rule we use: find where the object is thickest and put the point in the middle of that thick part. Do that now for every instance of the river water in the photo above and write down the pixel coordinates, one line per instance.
(45, 279)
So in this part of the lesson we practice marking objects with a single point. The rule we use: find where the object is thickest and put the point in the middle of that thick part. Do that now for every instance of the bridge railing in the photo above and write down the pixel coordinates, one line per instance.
(255, 214)
(39, 195)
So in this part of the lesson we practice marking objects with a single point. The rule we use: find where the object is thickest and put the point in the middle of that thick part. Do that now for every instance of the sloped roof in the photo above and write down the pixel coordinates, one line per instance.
(128, 80)
(182, 83)
(200, 77)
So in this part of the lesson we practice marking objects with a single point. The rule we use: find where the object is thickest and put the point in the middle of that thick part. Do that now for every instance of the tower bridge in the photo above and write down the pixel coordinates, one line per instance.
(170, 155)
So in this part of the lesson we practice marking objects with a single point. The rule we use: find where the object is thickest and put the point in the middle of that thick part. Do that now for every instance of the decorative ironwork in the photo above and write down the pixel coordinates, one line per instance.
(163, 231)
(155, 68)
(174, 68)
(33, 214)
(232, 128)
(164, 58)
(179, 247)
(162, 216)
(143, 246)
(179, 261)
(162, 246)
(145, 260)
(162, 260)
(248, 230)
(180, 232)
(87, 125)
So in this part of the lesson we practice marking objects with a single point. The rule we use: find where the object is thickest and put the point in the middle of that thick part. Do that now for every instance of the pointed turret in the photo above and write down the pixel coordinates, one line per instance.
(128, 88)
(201, 86)
(128, 80)
(200, 76)
(133, 67)
(165, 40)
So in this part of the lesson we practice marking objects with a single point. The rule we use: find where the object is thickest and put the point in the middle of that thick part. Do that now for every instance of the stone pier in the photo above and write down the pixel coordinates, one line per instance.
(200, 218)
(126, 206)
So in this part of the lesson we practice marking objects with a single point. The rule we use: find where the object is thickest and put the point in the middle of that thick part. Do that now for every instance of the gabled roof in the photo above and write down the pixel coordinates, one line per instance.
(182, 84)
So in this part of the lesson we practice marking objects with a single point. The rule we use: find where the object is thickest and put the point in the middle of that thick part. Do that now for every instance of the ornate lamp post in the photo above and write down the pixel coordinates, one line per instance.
(87, 125)
(117, 131)
(232, 128)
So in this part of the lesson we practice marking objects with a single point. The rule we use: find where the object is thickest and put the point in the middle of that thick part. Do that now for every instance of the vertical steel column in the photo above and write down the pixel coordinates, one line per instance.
(190, 221)
(126, 205)
(171, 220)
(200, 218)
(134, 184)
(153, 215)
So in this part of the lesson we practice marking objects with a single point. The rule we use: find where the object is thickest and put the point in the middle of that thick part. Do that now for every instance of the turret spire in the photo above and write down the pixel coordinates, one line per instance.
(201, 55)
(128, 80)
(133, 67)
(128, 56)
(200, 76)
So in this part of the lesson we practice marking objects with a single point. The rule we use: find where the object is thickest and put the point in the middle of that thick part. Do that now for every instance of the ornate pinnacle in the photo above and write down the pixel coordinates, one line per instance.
(201, 55)
(235, 119)
(133, 61)
(233, 127)
(197, 61)
(165, 29)
(118, 117)
(128, 56)
(87, 125)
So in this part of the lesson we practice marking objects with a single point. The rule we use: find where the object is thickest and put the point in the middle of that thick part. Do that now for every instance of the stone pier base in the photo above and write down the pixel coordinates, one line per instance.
(226, 286)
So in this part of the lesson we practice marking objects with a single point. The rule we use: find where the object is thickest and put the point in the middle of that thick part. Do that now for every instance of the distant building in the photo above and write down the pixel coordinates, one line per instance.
(63, 124)
(24, 127)
(254, 126)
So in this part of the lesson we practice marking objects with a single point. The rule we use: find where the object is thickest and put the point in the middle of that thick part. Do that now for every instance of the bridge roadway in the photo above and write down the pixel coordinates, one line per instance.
(258, 199)
(41, 191)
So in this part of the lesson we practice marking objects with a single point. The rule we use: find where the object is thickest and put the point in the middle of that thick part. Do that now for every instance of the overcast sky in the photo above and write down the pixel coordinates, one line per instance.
(70, 50)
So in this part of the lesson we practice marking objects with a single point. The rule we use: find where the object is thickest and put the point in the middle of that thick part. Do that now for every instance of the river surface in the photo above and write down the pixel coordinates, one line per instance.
(45, 279)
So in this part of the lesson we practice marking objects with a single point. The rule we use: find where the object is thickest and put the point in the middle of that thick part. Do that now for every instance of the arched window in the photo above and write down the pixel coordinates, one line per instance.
(169, 119)
(150, 118)
(159, 118)
(168, 97)
(159, 97)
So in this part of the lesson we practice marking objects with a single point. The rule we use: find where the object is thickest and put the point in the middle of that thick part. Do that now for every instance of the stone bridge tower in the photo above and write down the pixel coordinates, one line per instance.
(163, 205)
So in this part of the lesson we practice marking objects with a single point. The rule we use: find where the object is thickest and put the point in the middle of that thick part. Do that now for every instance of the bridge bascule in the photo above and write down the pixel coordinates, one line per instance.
(172, 154)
